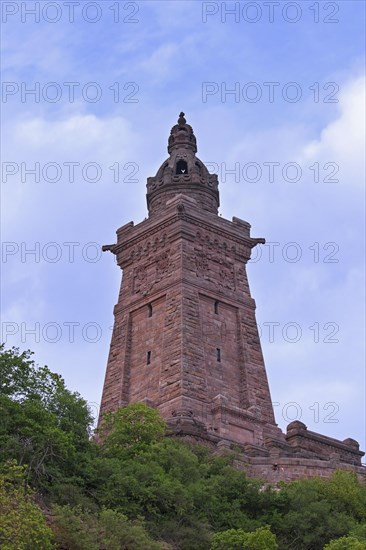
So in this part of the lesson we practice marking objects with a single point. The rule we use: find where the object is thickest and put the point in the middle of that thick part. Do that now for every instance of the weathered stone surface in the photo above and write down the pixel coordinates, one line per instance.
(185, 338)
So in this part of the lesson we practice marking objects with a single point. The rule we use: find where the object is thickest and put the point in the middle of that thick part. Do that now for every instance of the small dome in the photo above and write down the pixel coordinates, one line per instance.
(181, 135)
(183, 173)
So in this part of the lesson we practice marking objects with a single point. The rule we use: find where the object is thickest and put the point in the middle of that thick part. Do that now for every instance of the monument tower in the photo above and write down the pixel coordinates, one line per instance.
(185, 336)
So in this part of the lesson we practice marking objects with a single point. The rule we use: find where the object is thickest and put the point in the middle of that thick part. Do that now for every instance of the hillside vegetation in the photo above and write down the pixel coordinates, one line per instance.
(139, 489)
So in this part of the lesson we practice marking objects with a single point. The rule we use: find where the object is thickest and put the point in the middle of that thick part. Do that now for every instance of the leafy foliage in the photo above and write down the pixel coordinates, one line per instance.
(82, 530)
(22, 523)
(44, 425)
(136, 488)
(311, 512)
(130, 430)
(355, 541)
(237, 539)
(345, 543)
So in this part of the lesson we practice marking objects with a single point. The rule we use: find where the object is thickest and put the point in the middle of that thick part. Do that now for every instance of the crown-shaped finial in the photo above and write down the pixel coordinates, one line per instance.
(181, 119)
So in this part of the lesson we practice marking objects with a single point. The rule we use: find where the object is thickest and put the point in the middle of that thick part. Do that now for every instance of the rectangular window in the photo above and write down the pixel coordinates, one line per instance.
(218, 355)
(148, 358)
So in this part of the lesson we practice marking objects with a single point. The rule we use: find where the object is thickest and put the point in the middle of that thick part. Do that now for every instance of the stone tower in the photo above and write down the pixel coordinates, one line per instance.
(185, 337)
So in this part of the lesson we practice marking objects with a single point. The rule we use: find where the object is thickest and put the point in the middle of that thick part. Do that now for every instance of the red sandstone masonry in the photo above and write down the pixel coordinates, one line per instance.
(185, 337)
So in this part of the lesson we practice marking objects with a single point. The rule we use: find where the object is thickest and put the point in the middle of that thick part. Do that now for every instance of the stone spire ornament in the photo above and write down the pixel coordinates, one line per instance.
(181, 119)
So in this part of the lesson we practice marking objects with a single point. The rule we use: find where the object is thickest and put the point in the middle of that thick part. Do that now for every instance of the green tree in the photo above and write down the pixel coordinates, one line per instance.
(44, 425)
(22, 523)
(305, 518)
(359, 532)
(131, 430)
(345, 543)
(76, 529)
(231, 500)
(237, 539)
(157, 484)
(356, 540)
(185, 494)
(346, 494)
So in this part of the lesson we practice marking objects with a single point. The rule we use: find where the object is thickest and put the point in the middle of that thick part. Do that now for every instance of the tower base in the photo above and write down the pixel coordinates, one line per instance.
(299, 454)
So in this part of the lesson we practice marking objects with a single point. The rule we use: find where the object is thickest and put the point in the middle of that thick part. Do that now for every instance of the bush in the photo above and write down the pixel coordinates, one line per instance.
(22, 525)
(345, 543)
(237, 539)
(76, 529)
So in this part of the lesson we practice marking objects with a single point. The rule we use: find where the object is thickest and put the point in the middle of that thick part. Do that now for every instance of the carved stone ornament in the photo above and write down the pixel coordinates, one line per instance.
(140, 279)
(201, 262)
(162, 265)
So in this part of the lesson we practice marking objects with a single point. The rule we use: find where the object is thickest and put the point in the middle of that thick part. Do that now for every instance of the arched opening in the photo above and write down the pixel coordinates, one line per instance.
(216, 307)
(149, 310)
(182, 167)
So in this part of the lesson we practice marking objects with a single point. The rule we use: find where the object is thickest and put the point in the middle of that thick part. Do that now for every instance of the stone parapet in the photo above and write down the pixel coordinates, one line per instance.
(304, 441)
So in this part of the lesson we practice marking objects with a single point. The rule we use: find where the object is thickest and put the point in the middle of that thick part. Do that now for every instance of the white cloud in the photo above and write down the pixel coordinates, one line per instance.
(160, 63)
(79, 133)
(344, 138)
(77, 138)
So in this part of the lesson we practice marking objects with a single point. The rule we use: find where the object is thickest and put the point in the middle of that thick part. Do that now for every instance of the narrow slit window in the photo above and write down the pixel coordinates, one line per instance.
(148, 358)
(216, 307)
(149, 310)
(218, 355)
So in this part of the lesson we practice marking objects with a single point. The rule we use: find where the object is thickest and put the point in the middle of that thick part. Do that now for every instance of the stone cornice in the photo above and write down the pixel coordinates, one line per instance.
(130, 235)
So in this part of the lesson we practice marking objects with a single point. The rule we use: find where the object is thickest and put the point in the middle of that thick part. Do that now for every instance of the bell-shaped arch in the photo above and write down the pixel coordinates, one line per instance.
(181, 168)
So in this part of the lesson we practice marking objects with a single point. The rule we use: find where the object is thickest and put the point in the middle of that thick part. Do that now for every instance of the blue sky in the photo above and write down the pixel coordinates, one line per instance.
(163, 57)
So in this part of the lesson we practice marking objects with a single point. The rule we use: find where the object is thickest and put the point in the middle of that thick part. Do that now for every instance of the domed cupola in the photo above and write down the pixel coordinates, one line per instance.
(181, 135)
(182, 173)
